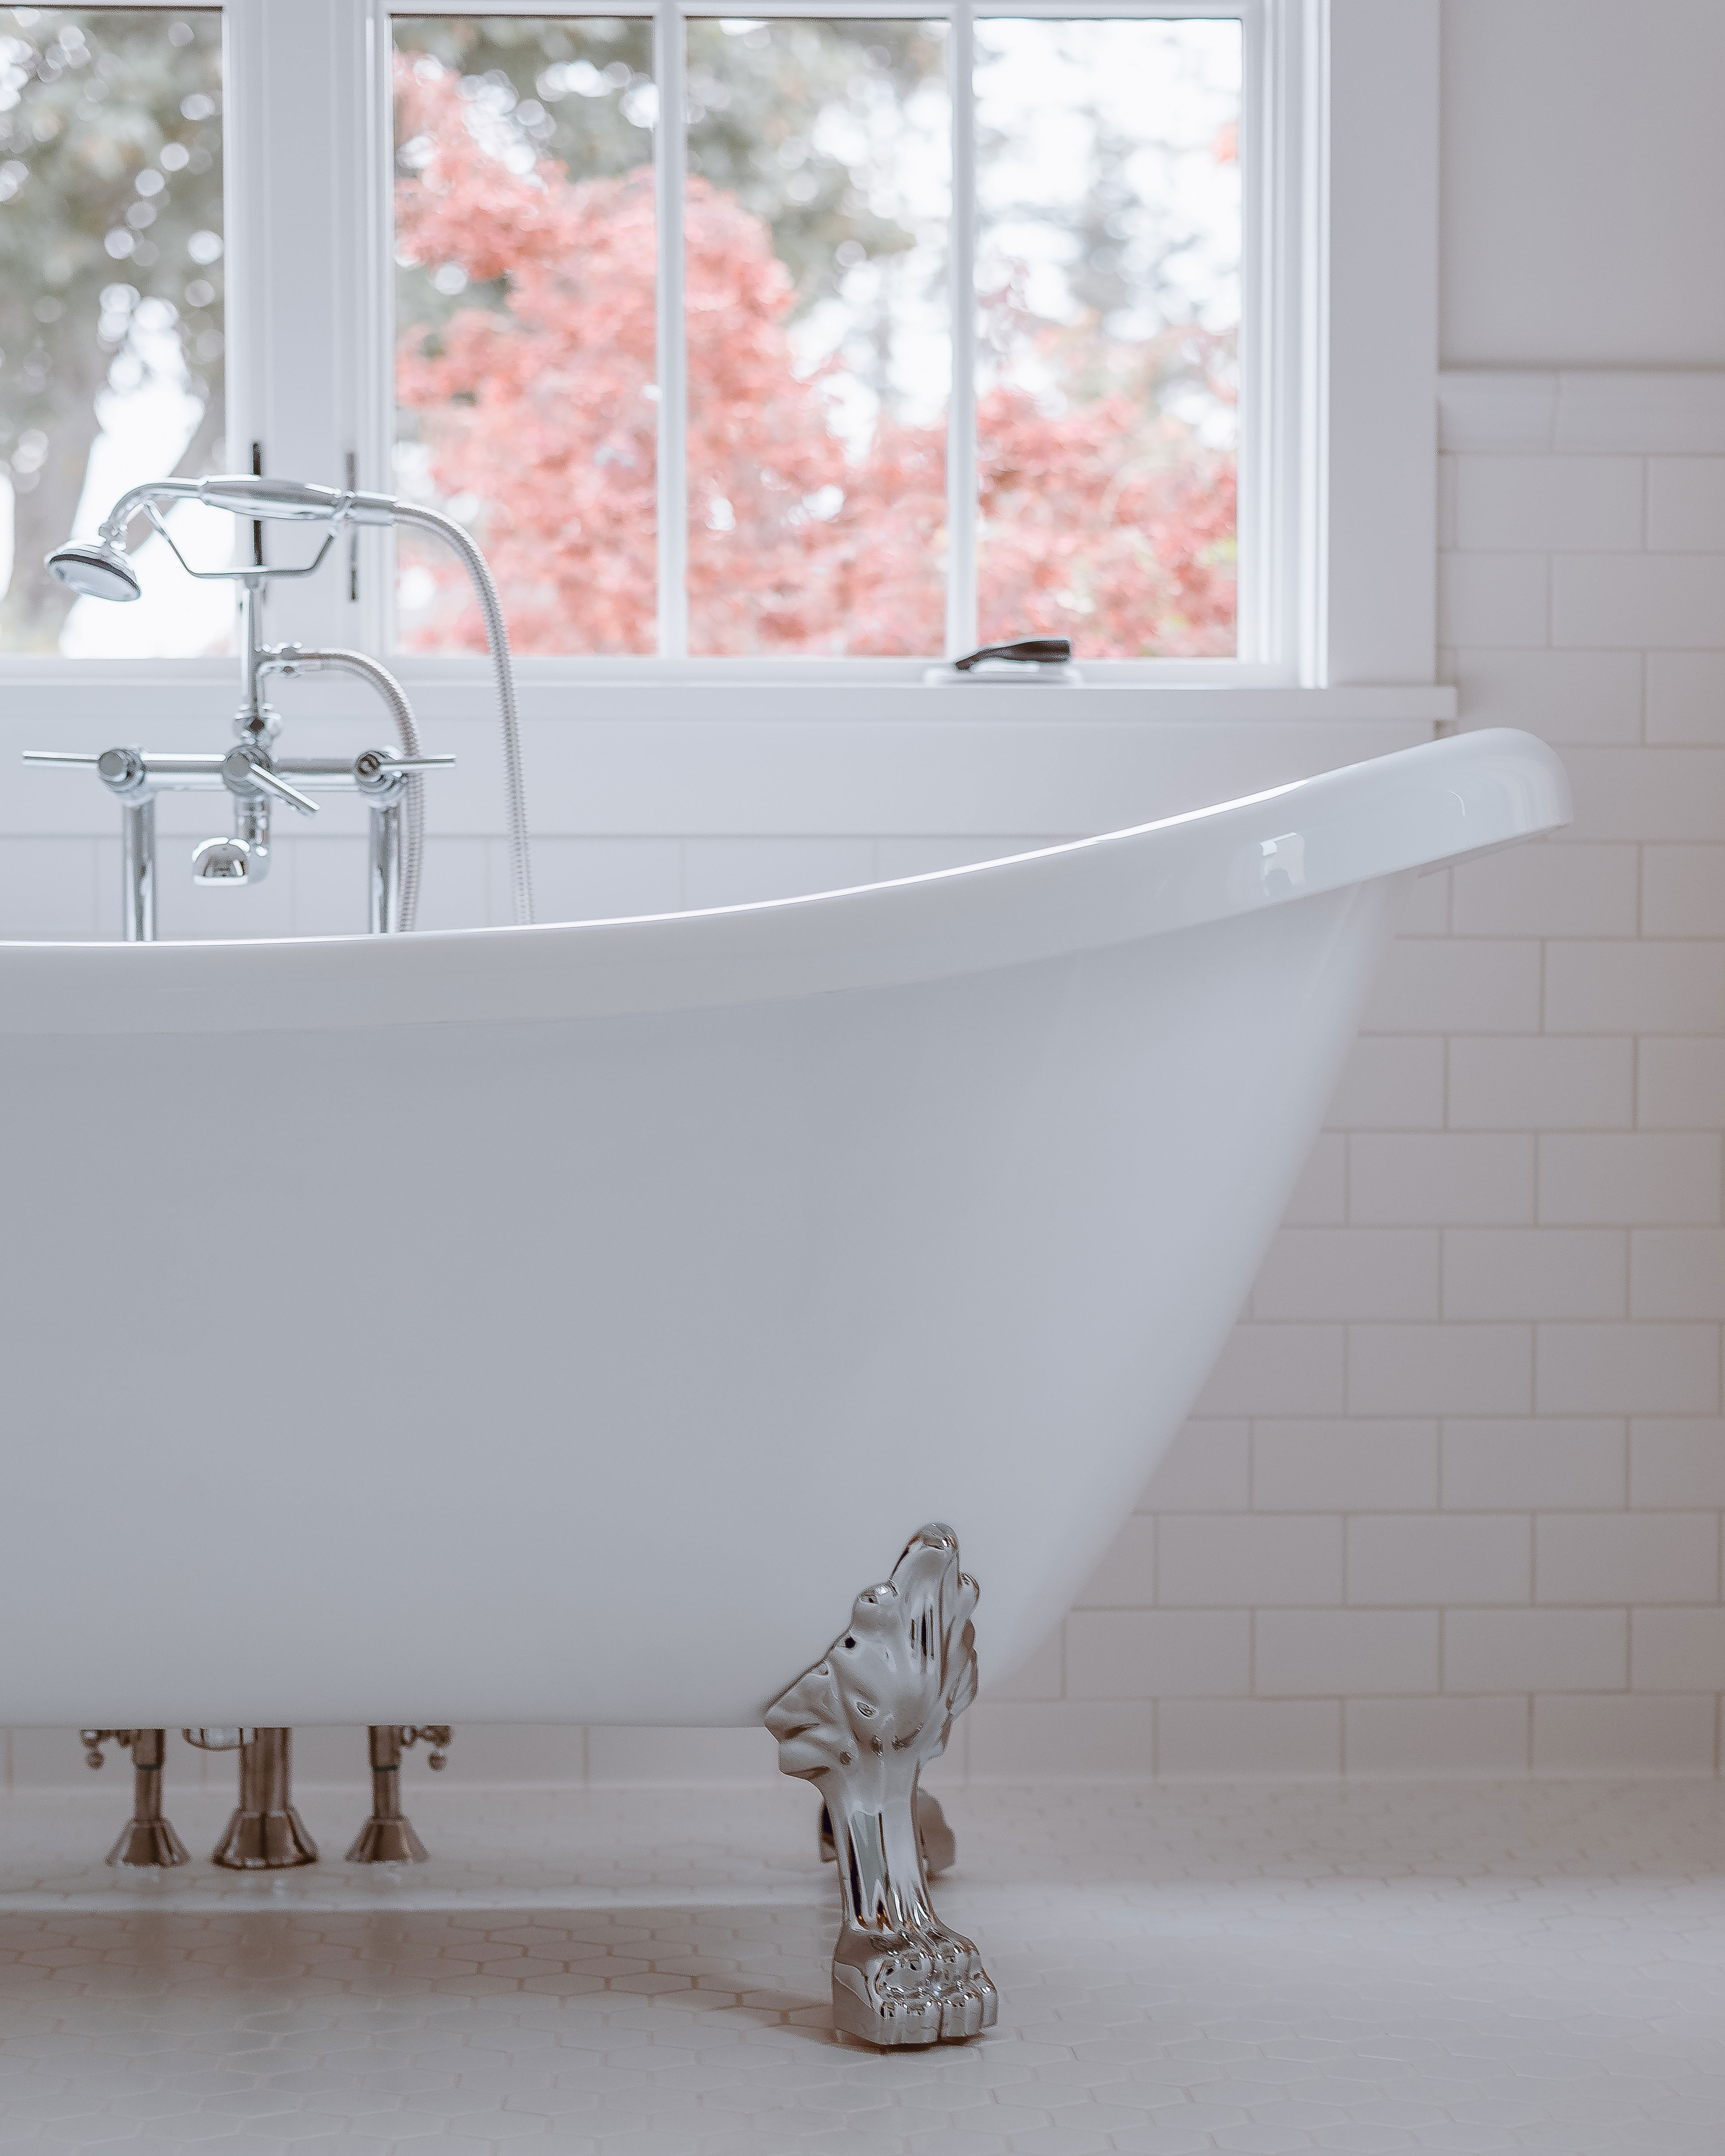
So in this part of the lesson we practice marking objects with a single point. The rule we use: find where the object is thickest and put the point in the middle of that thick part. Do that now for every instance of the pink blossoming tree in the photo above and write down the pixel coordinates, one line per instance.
(1104, 519)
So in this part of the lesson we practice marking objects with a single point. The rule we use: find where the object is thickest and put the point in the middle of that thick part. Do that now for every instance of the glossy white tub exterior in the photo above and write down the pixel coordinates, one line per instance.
(563, 1324)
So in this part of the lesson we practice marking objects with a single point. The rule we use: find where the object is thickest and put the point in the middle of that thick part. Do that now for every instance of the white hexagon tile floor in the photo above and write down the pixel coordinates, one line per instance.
(1259, 1970)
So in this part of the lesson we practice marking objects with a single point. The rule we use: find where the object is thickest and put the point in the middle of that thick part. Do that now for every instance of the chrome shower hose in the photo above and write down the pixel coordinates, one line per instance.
(453, 535)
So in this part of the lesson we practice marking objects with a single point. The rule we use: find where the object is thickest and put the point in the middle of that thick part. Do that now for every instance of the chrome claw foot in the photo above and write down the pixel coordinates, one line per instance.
(861, 1725)
(934, 1837)
(910, 1987)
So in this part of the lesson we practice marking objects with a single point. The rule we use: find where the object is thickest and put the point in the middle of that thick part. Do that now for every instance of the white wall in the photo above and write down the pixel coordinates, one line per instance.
(1583, 183)
(1454, 1504)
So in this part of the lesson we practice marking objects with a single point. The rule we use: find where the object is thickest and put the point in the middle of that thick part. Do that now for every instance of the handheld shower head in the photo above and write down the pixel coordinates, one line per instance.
(292, 500)
(97, 568)
(243, 494)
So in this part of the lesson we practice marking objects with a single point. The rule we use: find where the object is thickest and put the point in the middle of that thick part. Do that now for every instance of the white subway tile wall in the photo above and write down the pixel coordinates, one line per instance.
(1451, 1502)
(1463, 1466)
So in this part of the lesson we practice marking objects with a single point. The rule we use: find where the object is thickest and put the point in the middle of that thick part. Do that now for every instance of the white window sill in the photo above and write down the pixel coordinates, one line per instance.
(127, 692)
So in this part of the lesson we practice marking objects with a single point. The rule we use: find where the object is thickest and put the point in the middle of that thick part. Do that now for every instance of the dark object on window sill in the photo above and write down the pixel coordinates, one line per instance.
(1034, 651)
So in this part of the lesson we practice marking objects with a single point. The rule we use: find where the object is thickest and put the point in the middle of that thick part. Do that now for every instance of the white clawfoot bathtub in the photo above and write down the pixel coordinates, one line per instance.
(563, 1324)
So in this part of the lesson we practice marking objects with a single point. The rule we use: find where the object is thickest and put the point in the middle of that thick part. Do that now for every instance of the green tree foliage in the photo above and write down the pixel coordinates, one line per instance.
(758, 99)
(110, 214)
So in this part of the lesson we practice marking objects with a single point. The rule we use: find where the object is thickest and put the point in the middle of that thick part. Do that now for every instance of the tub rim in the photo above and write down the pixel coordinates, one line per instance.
(1416, 809)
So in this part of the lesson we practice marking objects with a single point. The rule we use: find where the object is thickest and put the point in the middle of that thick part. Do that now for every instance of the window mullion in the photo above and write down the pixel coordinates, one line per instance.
(961, 410)
(670, 162)
(245, 228)
(296, 159)
(371, 296)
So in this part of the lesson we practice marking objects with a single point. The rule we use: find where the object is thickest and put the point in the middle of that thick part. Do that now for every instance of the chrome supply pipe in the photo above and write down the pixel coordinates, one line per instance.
(386, 855)
(147, 1840)
(137, 869)
(387, 1837)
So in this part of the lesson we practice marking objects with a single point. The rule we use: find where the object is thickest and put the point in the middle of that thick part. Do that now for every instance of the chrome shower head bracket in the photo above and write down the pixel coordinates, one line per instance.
(254, 575)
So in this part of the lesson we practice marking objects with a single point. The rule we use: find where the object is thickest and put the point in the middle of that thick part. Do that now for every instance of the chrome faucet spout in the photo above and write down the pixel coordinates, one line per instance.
(398, 823)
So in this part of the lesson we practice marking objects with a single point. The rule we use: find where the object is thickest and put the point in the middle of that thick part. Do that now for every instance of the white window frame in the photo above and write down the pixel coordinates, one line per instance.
(1339, 160)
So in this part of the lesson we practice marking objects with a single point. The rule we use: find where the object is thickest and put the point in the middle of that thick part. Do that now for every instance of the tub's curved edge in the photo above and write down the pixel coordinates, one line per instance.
(1419, 808)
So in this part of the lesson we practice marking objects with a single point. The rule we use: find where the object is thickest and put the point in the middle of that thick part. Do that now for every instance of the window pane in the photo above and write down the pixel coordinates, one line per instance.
(1108, 283)
(110, 312)
(818, 352)
(525, 360)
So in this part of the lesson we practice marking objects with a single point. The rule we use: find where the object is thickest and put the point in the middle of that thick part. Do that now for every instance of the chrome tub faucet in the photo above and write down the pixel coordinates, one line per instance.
(388, 780)
(104, 570)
